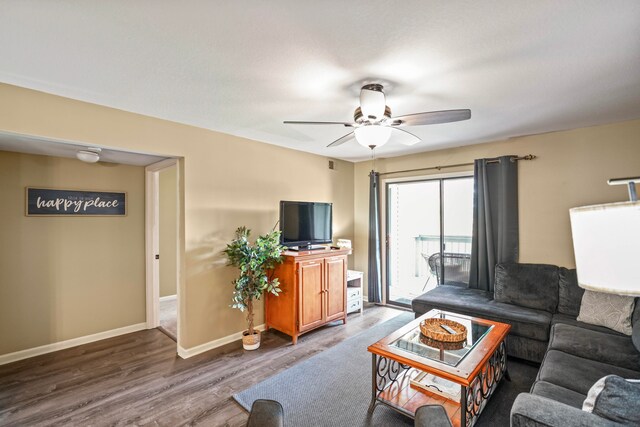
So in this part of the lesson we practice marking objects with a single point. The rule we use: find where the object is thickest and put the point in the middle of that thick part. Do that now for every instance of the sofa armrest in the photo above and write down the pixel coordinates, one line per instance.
(530, 410)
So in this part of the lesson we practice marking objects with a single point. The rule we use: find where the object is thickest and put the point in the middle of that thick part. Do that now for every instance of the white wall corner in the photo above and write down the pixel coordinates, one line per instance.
(185, 353)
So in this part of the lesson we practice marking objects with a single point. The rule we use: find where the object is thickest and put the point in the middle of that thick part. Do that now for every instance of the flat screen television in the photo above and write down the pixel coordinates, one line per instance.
(304, 224)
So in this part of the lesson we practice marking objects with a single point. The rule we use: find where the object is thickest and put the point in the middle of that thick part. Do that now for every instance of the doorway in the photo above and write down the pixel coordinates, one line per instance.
(163, 267)
(428, 235)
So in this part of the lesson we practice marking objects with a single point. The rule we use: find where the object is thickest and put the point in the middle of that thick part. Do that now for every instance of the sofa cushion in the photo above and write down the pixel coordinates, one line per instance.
(525, 322)
(527, 285)
(577, 373)
(526, 348)
(557, 393)
(569, 293)
(571, 320)
(448, 297)
(530, 410)
(612, 349)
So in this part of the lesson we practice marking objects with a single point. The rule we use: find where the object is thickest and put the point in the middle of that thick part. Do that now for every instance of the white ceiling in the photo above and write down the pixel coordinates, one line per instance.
(243, 67)
(48, 147)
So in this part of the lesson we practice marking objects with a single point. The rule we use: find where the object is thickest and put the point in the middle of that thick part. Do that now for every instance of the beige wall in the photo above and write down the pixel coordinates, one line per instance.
(228, 182)
(168, 208)
(66, 277)
(571, 170)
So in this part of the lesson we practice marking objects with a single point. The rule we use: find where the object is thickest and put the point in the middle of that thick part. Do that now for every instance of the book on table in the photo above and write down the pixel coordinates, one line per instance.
(436, 385)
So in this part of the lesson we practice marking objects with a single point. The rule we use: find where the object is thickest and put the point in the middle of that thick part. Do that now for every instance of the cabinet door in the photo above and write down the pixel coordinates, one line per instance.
(311, 301)
(336, 285)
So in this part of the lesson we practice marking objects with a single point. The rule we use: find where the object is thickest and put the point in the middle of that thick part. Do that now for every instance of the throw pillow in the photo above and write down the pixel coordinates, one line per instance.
(615, 399)
(609, 310)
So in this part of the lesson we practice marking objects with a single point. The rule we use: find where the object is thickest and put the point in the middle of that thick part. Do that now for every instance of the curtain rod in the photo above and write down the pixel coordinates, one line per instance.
(494, 160)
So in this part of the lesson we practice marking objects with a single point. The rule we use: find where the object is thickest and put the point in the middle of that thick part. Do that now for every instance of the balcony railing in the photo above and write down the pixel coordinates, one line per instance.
(430, 244)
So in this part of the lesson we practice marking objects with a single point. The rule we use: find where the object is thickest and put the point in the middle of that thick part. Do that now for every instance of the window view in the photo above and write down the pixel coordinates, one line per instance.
(429, 225)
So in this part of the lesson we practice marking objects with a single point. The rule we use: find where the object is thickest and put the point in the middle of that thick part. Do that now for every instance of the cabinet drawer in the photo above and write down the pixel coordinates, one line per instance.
(354, 305)
(353, 293)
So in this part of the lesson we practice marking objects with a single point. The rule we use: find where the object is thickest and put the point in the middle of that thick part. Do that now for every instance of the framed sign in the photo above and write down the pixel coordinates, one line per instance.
(48, 202)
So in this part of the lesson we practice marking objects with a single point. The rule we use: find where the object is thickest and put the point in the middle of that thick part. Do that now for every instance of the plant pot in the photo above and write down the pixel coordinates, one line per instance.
(251, 342)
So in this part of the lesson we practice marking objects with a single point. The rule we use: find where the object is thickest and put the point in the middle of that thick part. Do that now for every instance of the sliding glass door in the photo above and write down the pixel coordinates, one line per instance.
(428, 236)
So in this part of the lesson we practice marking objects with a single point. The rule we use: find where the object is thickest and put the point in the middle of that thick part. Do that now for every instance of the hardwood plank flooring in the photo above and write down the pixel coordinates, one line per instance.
(137, 379)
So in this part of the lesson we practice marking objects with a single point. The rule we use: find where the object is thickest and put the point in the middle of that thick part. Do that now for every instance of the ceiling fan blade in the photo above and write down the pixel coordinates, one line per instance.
(342, 140)
(404, 137)
(296, 122)
(431, 118)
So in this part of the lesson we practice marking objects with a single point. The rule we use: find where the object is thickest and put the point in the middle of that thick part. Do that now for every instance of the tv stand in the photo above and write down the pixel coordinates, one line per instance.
(314, 292)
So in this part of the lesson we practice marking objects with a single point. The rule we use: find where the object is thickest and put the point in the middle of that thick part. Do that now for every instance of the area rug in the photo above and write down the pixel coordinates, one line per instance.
(333, 388)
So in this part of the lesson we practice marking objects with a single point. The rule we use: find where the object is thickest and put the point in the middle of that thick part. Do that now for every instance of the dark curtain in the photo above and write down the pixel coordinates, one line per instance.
(495, 218)
(374, 275)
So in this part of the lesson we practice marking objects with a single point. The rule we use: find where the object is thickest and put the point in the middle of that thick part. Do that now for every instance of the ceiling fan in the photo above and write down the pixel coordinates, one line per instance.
(373, 124)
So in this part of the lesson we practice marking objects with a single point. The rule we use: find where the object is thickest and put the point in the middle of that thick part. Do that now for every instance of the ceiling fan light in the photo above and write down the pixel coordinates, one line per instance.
(372, 103)
(372, 135)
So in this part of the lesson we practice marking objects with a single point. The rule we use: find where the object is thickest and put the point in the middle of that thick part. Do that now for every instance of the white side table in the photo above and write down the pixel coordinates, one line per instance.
(355, 281)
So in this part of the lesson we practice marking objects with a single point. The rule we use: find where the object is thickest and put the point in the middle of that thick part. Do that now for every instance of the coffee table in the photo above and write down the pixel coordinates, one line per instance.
(477, 365)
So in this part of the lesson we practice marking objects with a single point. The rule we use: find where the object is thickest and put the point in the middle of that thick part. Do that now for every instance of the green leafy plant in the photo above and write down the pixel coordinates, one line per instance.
(256, 263)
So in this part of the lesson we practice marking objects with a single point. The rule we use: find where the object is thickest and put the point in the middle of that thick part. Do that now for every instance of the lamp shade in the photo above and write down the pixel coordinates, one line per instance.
(606, 243)
(373, 135)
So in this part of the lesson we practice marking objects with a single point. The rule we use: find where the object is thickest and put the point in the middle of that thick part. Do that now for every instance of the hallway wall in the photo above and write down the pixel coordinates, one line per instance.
(67, 277)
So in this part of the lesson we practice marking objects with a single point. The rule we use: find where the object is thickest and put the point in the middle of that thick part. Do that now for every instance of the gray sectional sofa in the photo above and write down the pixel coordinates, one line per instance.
(577, 357)
(541, 302)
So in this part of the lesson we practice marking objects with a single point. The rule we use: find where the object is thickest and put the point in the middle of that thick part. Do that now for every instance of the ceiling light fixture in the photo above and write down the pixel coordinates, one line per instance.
(372, 102)
(89, 155)
(372, 135)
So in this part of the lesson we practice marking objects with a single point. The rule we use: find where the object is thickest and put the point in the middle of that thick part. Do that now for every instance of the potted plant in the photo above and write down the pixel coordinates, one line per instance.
(256, 263)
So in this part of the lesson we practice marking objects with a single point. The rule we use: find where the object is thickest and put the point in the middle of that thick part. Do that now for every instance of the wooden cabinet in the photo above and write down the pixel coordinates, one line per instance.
(314, 291)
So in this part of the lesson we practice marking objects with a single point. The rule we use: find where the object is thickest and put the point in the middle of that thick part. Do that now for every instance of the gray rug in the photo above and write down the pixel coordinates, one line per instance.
(333, 388)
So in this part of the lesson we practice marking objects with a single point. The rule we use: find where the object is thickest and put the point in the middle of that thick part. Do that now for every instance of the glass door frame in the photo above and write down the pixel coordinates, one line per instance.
(441, 178)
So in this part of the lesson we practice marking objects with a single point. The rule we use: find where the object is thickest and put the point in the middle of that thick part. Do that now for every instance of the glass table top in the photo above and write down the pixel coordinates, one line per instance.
(449, 353)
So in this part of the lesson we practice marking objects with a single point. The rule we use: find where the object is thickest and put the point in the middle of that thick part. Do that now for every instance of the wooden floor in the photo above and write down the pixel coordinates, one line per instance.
(138, 379)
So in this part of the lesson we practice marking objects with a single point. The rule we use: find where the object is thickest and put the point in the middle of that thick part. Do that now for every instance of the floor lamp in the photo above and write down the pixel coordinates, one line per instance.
(606, 243)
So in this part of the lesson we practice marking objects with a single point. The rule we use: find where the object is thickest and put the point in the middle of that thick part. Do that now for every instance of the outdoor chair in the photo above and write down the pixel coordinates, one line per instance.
(269, 413)
(456, 268)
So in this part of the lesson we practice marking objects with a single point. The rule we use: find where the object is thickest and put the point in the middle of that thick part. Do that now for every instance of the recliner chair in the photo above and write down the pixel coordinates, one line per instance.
(266, 413)
(432, 416)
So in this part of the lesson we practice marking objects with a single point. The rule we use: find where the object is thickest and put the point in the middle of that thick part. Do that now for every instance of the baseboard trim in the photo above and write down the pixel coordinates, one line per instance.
(61, 345)
(185, 353)
(168, 298)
